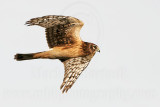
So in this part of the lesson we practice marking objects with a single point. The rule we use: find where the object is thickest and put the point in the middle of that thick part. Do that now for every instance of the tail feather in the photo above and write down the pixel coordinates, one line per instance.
(20, 57)
(45, 54)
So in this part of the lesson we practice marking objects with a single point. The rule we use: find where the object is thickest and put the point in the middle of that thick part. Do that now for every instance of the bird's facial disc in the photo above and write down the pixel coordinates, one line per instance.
(95, 48)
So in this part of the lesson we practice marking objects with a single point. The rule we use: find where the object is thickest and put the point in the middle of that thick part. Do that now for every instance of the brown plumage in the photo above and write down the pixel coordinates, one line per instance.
(63, 37)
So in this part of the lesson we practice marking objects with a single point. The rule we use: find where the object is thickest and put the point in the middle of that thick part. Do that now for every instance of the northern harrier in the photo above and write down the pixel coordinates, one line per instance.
(63, 37)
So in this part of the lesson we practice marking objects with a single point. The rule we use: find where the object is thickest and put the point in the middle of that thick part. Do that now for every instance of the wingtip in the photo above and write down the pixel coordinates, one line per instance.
(28, 23)
(65, 90)
(61, 86)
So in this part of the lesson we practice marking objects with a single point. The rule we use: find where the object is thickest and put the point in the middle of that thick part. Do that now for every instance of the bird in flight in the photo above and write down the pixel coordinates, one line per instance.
(63, 38)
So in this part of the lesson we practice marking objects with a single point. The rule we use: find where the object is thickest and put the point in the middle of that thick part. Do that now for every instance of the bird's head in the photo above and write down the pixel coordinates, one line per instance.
(95, 48)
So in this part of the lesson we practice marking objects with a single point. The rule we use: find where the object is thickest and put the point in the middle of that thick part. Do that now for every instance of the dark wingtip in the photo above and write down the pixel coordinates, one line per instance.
(28, 23)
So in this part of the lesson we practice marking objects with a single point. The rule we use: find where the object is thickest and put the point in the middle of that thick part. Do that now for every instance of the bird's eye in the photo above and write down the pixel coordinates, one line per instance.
(94, 47)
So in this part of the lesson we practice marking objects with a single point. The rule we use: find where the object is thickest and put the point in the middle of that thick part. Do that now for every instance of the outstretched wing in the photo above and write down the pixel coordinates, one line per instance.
(73, 69)
(60, 30)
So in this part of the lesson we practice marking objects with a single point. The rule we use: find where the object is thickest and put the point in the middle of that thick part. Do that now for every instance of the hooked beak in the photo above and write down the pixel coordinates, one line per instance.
(98, 50)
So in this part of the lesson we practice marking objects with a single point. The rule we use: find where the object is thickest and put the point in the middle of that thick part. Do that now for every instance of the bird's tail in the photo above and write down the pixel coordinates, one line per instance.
(20, 57)
(44, 54)
(29, 56)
